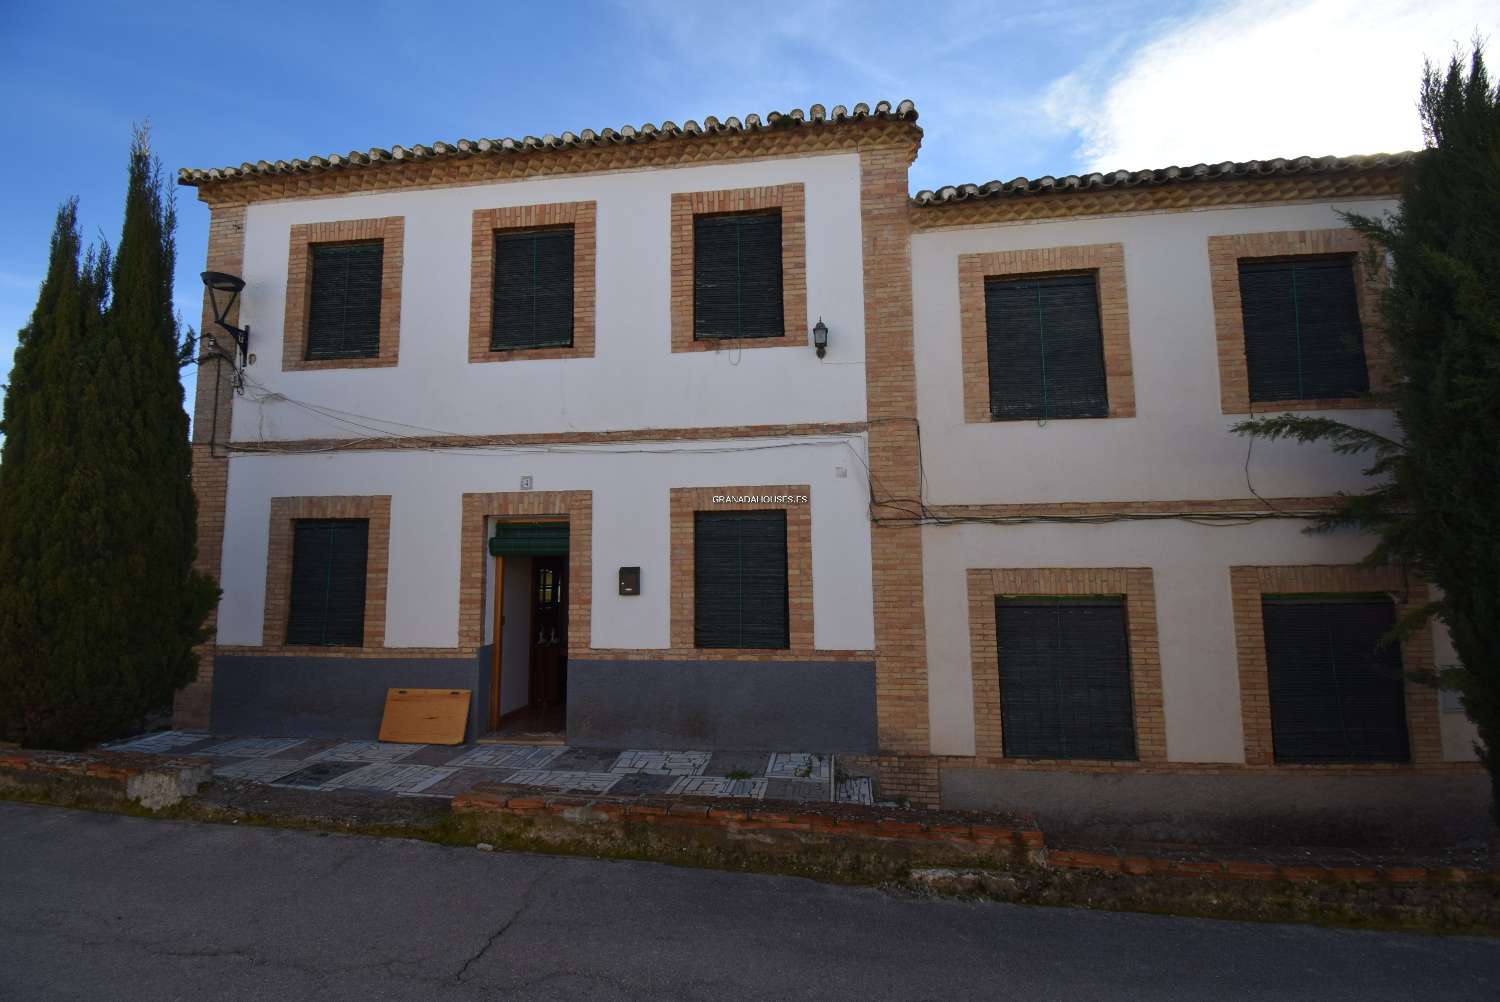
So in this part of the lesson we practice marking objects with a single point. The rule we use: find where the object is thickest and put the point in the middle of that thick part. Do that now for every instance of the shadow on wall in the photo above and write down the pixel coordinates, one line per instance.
(1383, 811)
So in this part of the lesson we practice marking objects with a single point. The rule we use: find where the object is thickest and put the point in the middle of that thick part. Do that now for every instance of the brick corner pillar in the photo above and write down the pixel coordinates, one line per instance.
(212, 406)
(890, 383)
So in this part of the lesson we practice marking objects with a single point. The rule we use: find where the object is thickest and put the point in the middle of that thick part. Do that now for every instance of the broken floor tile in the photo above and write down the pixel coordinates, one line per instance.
(799, 765)
(250, 747)
(365, 751)
(259, 770)
(662, 763)
(161, 741)
(389, 778)
(508, 756)
(566, 782)
(719, 786)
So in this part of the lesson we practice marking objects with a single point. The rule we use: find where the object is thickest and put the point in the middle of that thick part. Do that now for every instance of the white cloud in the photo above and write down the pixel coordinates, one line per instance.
(1256, 79)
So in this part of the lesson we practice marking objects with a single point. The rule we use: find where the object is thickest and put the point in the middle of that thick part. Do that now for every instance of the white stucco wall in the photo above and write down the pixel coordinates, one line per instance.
(633, 381)
(1178, 445)
(630, 523)
(1195, 618)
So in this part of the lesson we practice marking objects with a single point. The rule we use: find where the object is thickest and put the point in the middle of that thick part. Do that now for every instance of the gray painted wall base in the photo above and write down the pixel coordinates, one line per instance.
(818, 706)
(1292, 808)
(332, 697)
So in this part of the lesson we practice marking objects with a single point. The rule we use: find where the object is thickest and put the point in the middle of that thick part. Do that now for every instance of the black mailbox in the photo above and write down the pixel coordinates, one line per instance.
(630, 580)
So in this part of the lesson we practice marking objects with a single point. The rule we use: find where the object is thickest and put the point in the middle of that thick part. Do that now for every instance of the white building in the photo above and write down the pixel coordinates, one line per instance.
(537, 364)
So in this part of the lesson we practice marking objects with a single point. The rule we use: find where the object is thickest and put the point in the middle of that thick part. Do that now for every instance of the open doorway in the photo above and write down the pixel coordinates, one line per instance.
(529, 657)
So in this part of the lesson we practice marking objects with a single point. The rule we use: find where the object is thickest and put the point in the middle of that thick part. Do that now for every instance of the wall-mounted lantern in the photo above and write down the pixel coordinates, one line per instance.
(820, 337)
(223, 293)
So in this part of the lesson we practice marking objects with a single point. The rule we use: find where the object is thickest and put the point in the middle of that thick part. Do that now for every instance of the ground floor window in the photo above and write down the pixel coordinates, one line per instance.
(327, 601)
(1337, 693)
(740, 579)
(1065, 689)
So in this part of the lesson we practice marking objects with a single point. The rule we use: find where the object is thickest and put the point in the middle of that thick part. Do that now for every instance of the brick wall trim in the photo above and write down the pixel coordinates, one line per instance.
(1135, 584)
(799, 583)
(212, 405)
(286, 511)
(583, 218)
(577, 507)
(391, 231)
(791, 199)
(1105, 261)
(1224, 255)
(1247, 587)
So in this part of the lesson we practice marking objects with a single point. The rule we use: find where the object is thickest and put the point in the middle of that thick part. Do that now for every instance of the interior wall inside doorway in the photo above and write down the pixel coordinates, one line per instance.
(515, 651)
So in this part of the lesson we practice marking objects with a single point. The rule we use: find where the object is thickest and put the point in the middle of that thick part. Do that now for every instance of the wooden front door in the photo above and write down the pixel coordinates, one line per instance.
(549, 631)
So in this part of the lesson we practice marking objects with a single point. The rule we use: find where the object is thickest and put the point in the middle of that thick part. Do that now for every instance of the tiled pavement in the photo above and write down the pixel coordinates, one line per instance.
(443, 771)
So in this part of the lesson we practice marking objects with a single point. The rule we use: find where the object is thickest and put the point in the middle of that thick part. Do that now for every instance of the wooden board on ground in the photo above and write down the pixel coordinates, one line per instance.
(425, 716)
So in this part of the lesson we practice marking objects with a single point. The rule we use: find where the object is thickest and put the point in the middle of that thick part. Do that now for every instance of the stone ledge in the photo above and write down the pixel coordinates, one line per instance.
(1242, 869)
(972, 832)
(153, 781)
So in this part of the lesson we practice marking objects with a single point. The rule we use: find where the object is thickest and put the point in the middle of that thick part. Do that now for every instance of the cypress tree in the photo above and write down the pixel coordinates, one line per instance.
(1437, 496)
(99, 604)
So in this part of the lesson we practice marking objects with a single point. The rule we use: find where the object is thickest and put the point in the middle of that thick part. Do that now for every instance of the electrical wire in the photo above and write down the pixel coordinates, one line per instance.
(903, 511)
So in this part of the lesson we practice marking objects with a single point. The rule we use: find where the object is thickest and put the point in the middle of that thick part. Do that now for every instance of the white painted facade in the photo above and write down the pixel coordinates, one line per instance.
(630, 527)
(1178, 447)
(634, 381)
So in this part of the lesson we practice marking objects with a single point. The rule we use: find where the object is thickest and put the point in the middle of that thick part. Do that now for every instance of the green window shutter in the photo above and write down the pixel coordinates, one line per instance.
(343, 317)
(1336, 694)
(327, 601)
(1065, 678)
(532, 304)
(737, 276)
(529, 540)
(1303, 338)
(1045, 348)
(740, 579)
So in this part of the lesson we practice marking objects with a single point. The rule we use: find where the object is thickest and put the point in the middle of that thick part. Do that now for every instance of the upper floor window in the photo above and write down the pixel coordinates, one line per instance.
(1303, 338)
(740, 579)
(737, 276)
(532, 291)
(1045, 348)
(343, 316)
(326, 605)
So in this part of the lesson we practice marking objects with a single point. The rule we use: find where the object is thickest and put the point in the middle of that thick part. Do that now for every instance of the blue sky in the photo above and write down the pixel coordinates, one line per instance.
(1003, 89)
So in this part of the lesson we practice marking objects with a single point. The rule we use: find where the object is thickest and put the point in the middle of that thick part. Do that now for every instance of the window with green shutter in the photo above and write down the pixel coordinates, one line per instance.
(1303, 339)
(533, 290)
(343, 317)
(740, 579)
(1337, 693)
(327, 601)
(1065, 678)
(1045, 347)
(737, 276)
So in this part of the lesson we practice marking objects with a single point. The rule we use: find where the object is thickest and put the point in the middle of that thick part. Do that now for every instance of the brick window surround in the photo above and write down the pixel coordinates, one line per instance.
(1136, 584)
(792, 201)
(391, 231)
(1224, 255)
(1249, 584)
(524, 506)
(687, 500)
(1106, 261)
(583, 217)
(284, 512)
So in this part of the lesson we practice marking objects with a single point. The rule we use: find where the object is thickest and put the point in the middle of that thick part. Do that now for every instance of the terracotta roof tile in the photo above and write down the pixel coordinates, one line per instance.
(1226, 171)
(815, 115)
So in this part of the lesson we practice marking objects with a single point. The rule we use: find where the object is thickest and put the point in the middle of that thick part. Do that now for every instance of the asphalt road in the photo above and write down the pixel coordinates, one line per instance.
(95, 906)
